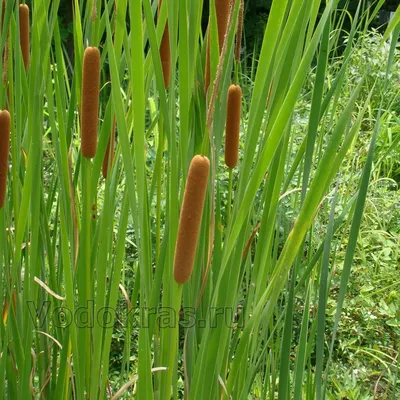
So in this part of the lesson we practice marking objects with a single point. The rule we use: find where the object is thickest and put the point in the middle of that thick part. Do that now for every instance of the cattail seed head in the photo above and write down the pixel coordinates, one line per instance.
(107, 162)
(90, 101)
(24, 33)
(165, 52)
(222, 12)
(5, 126)
(190, 218)
(233, 114)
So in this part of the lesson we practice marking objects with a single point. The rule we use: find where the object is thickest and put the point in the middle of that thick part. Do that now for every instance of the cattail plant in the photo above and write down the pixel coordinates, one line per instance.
(3, 6)
(165, 52)
(190, 218)
(5, 50)
(239, 32)
(94, 11)
(233, 125)
(4, 151)
(90, 101)
(109, 155)
(222, 11)
(24, 33)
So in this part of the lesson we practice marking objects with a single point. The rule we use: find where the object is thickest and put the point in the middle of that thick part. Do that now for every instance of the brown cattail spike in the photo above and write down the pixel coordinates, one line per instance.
(222, 11)
(165, 52)
(233, 126)
(239, 32)
(190, 219)
(90, 101)
(107, 162)
(24, 33)
(5, 125)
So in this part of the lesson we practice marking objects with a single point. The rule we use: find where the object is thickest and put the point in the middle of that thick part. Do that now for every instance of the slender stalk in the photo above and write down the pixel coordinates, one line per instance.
(229, 198)
(173, 338)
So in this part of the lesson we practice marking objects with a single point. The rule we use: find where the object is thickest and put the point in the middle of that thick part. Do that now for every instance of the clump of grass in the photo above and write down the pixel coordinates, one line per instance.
(24, 33)
(222, 12)
(233, 126)
(165, 52)
(90, 101)
(190, 218)
(4, 151)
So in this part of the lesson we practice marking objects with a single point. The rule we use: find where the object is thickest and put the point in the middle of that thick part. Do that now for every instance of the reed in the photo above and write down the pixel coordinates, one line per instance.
(222, 12)
(4, 152)
(109, 155)
(24, 33)
(90, 101)
(233, 114)
(165, 52)
(190, 218)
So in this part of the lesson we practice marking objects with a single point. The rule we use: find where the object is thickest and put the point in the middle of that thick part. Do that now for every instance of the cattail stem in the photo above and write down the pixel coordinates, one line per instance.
(109, 155)
(90, 101)
(190, 218)
(158, 172)
(233, 126)
(171, 337)
(229, 200)
(222, 12)
(94, 11)
(5, 125)
(165, 52)
(24, 34)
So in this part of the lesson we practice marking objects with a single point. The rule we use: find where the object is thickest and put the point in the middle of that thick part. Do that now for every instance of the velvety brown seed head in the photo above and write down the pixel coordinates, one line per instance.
(109, 152)
(24, 33)
(222, 12)
(233, 114)
(90, 101)
(165, 52)
(5, 126)
(190, 218)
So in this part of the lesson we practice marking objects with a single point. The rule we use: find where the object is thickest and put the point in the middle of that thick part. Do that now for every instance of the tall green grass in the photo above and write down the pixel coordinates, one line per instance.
(69, 238)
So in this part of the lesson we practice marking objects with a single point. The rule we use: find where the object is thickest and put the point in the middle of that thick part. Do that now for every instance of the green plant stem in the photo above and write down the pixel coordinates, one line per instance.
(86, 224)
(176, 296)
(237, 66)
(159, 183)
(229, 199)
